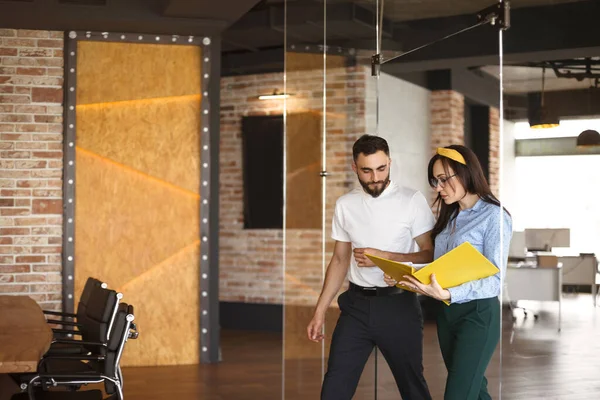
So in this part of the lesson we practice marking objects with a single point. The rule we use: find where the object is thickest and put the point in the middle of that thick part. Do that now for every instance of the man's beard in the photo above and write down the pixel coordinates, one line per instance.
(375, 191)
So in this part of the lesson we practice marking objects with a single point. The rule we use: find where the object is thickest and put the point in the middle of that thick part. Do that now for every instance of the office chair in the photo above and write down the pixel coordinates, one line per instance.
(93, 368)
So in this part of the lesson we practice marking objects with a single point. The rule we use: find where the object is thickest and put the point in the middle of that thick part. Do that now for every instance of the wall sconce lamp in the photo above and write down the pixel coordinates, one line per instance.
(276, 95)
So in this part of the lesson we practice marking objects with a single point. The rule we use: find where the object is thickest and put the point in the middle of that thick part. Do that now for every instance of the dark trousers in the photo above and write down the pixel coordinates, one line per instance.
(468, 334)
(394, 324)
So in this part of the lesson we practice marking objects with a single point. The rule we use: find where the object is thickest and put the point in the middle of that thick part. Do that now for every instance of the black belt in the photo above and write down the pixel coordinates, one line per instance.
(375, 291)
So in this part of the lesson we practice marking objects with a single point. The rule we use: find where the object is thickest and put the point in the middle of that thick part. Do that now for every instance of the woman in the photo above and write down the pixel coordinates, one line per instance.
(469, 328)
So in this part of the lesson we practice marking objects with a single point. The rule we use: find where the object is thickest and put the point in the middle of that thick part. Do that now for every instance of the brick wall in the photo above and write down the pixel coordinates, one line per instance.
(447, 121)
(31, 80)
(251, 261)
(447, 127)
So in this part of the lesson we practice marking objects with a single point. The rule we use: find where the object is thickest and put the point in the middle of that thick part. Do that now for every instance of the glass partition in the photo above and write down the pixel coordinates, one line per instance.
(552, 112)
(419, 78)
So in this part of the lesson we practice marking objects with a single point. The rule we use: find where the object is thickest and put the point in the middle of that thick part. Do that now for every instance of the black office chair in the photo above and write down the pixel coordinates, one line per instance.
(93, 368)
(93, 325)
(87, 291)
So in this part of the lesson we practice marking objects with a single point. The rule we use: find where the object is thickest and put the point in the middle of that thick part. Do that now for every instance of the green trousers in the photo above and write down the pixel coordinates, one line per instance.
(468, 334)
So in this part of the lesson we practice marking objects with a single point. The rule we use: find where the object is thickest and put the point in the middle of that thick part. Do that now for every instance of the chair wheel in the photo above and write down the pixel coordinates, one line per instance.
(536, 317)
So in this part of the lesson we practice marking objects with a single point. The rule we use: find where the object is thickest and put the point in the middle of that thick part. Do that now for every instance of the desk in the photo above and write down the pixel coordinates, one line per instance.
(24, 334)
(525, 281)
(581, 270)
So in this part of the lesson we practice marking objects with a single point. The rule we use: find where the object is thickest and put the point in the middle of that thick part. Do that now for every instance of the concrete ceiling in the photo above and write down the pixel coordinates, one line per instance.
(409, 10)
(181, 17)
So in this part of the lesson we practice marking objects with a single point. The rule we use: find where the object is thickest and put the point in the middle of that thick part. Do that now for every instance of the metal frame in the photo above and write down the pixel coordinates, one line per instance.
(209, 228)
(496, 15)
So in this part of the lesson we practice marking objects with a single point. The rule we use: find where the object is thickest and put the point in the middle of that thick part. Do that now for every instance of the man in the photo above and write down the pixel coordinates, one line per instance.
(386, 220)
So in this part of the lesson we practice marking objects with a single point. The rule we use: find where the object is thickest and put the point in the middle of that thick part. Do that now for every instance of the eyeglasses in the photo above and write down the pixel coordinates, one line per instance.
(434, 182)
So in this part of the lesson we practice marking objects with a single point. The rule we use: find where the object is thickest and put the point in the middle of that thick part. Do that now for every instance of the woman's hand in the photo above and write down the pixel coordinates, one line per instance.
(432, 290)
(362, 260)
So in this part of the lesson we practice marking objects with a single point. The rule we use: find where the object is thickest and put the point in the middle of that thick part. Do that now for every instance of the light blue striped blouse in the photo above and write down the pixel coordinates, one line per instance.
(480, 226)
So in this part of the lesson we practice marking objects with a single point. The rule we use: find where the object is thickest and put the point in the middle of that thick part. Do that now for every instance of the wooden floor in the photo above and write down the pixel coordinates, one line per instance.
(535, 361)
(538, 362)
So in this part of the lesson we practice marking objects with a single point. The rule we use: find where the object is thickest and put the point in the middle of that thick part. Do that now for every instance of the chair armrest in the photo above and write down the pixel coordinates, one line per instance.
(79, 342)
(61, 322)
(60, 314)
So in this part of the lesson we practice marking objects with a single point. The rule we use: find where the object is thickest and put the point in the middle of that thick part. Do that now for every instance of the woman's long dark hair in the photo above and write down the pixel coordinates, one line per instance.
(470, 176)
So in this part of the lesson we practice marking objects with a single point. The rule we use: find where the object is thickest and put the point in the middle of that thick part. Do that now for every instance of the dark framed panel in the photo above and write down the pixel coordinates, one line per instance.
(209, 195)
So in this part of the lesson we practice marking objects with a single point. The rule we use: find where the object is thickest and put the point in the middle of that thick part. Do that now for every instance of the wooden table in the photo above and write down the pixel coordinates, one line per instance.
(24, 334)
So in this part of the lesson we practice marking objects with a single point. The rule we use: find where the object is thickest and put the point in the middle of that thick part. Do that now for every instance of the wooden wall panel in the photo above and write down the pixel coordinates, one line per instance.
(108, 72)
(147, 135)
(312, 61)
(167, 301)
(137, 186)
(304, 198)
(127, 222)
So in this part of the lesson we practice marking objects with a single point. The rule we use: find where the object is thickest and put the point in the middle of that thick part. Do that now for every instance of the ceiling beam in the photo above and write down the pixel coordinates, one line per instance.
(229, 11)
(347, 24)
(536, 33)
(116, 16)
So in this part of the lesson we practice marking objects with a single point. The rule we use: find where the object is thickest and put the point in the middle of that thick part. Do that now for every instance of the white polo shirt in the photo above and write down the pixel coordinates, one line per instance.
(389, 222)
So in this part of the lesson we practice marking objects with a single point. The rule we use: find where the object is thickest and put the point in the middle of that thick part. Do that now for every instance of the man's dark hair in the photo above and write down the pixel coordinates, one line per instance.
(369, 144)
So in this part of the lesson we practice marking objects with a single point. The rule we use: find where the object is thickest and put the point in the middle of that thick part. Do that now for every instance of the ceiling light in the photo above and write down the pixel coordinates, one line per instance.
(588, 138)
(539, 116)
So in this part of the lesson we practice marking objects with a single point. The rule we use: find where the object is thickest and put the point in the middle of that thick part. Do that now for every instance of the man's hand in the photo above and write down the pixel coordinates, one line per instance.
(315, 328)
(432, 290)
(389, 280)
(362, 260)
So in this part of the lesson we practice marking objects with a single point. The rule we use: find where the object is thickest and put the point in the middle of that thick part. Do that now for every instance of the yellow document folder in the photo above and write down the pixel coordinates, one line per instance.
(462, 264)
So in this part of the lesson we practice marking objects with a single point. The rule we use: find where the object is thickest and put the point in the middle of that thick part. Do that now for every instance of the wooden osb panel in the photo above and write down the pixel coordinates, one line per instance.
(304, 198)
(127, 222)
(312, 61)
(166, 301)
(108, 72)
(296, 343)
(147, 135)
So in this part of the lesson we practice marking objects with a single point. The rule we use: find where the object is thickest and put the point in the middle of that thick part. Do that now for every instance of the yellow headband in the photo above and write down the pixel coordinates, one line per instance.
(451, 154)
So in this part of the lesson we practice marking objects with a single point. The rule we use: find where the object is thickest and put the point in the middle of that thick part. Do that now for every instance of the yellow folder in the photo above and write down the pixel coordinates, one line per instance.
(462, 264)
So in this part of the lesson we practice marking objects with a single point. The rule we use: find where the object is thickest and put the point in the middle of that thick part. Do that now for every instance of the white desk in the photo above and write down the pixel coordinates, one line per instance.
(528, 282)
(581, 270)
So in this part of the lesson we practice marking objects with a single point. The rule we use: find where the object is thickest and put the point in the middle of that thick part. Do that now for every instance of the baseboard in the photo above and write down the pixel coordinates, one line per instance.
(251, 316)
(269, 317)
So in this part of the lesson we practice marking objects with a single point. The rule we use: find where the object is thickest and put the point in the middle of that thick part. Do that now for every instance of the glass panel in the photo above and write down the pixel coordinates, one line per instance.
(438, 92)
(436, 96)
(325, 114)
(550, 313)
(303, 228)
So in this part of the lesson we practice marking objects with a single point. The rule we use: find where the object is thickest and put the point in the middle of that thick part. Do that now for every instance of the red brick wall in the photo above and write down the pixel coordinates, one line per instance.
(447, 118)
(31, 81)
(447, 121)
(251, 261)
(447, 127)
